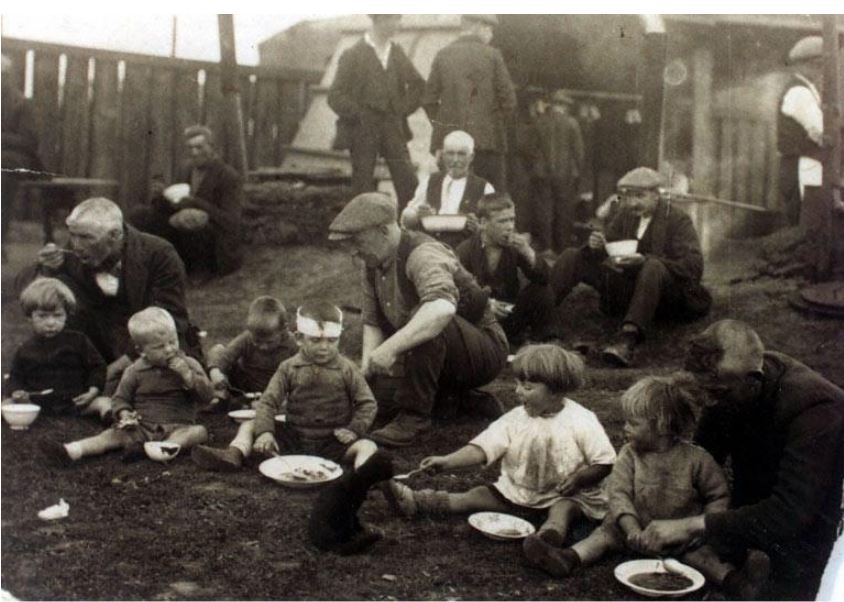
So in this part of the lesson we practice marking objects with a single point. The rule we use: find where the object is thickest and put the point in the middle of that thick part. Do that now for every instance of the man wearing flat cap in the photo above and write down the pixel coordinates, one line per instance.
(555, 172)
(375, 90)
(423, 309)
(800, 126)
(470, 89)
(662, 278)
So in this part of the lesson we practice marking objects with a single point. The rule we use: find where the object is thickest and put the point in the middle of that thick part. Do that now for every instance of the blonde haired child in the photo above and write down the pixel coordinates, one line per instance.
(156, 399)
(56, 358)
(554, 453)
(659, 474)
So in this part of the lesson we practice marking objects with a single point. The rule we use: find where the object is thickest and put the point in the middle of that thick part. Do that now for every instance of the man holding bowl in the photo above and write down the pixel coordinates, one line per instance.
(659, 277)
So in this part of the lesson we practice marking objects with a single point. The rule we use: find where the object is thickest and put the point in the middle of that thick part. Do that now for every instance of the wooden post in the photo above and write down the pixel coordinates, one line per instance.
(703, 127)
(832, 176)
(234, 134)
(653, 91)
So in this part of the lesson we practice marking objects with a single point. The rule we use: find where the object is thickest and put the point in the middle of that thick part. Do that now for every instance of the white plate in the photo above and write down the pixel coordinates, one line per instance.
(500, 526)
(620, 248)
(242, 415)
(176, 192)
(625, 570)
(300, 472)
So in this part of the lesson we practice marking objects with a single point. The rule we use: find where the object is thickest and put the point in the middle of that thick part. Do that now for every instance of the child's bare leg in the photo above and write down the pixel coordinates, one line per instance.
(360, 451)
(244, 438)
(561, 562)
(188, 436)
(706, 560)
(596, 545)
(560, 517)
(105, 441)
(99, 406)
(428, 501)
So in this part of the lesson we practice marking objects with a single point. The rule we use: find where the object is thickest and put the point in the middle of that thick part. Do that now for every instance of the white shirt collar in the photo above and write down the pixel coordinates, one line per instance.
(382, 54)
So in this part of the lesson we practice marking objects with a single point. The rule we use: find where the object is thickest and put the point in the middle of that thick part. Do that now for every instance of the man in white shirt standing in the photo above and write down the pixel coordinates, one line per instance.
(800, 126)
(454, 191)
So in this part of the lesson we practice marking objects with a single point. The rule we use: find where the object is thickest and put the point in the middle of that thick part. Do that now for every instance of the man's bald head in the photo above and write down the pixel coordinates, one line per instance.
(96, 231)
(458, 153)
(98, 212)
(460, 140)
(740, 346)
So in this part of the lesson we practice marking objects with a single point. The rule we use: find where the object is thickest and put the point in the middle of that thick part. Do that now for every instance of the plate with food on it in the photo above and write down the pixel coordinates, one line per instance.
(500, 526)
(299, 471)
(444, 223)
(657, 578)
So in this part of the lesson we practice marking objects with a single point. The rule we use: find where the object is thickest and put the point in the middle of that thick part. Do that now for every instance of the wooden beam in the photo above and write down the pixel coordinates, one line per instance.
(703, 130)
(233, 110)
(653, 60)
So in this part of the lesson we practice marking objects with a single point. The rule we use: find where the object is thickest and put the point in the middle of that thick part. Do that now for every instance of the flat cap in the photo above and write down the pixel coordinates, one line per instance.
(485, 19)
(365, 211)
(806, 49)
(561, 98)
(641, 177)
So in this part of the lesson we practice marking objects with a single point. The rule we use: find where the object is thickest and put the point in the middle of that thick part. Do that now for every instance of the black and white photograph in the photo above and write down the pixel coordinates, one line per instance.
(340, 306)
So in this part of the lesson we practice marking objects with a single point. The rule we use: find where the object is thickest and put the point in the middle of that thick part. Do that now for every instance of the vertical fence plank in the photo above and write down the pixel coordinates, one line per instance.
(266, 113)
(773, 160)
(18, 58)
(46, 99)
(247, 106)
(742, 160)
(105, 160)
(135, 135)
(726, 160)
(161, 124)
(76, 118)
(214, 114)
(186, 112)
(758, 162)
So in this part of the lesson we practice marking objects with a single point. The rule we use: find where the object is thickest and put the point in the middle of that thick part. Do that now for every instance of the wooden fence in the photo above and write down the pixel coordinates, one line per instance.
(118, 115)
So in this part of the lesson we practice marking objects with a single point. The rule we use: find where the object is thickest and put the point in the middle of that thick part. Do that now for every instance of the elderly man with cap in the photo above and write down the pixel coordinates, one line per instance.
(453, 191)
(115, 271)
(555, 174)
(781, 425)
(203, 225)
(375, 90)
(469, 89)
(422, 307)
(661, 278)
(800, 126)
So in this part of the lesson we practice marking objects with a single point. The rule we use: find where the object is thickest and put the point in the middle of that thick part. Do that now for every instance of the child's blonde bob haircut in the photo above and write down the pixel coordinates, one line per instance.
(672, 402)
(560, 370)
(148, 322)
(47, 294)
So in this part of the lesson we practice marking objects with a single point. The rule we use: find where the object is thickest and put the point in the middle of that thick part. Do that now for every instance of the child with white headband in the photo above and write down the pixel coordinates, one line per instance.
(328, 405)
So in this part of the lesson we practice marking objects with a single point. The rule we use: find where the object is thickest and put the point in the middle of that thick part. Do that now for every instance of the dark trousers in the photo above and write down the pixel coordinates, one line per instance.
(382, 133)
(534, 310)
(460, 358)
(490, 165)
(638, 293)
(552, 212)
(195, 248)
(789, 185)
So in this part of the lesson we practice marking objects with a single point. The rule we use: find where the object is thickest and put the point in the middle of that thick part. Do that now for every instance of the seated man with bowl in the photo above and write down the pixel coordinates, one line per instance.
(648, 263)
(453, 192)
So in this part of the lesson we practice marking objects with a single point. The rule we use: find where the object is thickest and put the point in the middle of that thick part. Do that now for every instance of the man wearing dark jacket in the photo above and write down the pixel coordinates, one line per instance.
(782, 427)
(375, 90)
(661, 278)
(470, 89)
(216, 190)
(114, 271)
(495, 256)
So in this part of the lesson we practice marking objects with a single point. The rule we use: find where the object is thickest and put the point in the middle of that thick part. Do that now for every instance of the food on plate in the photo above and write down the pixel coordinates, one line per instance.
(667, 582)
(509, 532)
(305, 474)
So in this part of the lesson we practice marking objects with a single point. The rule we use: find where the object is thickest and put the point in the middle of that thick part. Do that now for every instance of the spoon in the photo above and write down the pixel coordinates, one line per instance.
(39, 393)
(669, 565)
(407, 475)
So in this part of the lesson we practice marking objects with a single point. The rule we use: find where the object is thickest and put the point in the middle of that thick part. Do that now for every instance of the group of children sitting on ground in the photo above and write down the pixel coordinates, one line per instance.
(556, 459)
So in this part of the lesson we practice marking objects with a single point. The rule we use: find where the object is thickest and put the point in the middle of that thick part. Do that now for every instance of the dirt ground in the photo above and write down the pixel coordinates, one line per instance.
(163, 532)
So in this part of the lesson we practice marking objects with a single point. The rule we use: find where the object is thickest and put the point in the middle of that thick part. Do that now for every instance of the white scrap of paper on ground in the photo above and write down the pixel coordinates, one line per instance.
(55, 511)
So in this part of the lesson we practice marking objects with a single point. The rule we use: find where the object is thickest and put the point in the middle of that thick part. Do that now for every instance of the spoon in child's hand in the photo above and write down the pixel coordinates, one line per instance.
(40, 393)
(407, 475)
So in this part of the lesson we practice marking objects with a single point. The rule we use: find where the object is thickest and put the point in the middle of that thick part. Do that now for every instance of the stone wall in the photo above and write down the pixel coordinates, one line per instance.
(284, 213)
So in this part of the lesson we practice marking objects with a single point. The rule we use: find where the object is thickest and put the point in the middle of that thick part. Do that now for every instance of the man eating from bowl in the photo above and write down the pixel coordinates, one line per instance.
(456, 191)
(662, 278)
(203, 225)
(495, 256)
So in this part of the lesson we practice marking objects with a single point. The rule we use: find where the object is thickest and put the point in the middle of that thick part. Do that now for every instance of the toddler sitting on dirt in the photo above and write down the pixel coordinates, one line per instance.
(329, 406)
(554, 453)
(660, 475)
(250, 359)
(156, 399)
(65, 362)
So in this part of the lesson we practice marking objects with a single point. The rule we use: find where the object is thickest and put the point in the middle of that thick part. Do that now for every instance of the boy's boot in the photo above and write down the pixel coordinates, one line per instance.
(410, 503)
(229, 459)
(747, 583)
(554, 561)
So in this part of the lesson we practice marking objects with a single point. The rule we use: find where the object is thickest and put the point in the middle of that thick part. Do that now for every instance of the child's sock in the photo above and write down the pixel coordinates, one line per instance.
(74, 450)
(554, 561)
